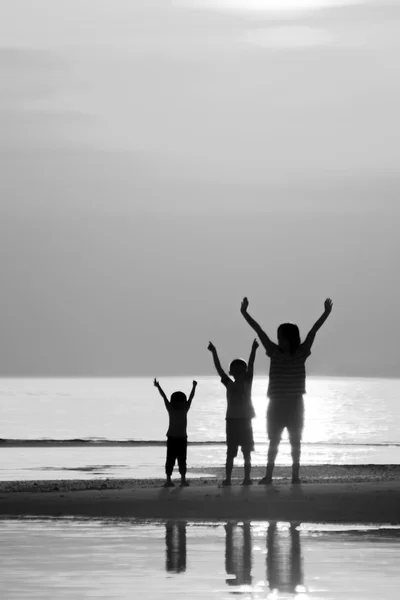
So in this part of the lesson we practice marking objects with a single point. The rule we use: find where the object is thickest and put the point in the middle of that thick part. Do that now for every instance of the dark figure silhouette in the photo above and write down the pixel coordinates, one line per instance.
(238, 555)
(284, 559)
(287, 379)
(175, 546)
(177, 409)
(240, 411)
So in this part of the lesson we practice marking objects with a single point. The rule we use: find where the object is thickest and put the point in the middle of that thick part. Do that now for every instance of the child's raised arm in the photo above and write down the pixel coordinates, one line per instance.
(252, 357)
(266, 342)
(192, 393)
(313, 331)
(217, 364)
(162, 393)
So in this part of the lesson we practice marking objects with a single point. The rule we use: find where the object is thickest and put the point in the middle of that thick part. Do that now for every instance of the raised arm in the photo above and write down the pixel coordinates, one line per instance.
(250, 364)
(264, 339)
(217, 364)
(313, 331)
(192, 393)
(162, 393)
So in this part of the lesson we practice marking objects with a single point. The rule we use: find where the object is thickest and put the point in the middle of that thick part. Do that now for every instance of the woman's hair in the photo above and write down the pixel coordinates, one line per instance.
(291, 333)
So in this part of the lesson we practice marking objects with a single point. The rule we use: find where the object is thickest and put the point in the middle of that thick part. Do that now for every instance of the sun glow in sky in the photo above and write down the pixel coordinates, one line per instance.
(276, 6)
(159, 161)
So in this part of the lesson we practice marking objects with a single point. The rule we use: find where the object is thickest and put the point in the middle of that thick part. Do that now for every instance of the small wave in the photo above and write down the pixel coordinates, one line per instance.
(15, 443)
(86, 469)
(358, 444)
(100, 442)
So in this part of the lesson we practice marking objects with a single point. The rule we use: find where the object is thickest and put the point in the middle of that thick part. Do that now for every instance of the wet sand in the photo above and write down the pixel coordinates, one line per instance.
(344, 495)
(67, 559)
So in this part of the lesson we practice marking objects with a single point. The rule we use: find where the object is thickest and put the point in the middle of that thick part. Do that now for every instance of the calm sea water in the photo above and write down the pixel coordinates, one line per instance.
(348, 421)
(125, 559)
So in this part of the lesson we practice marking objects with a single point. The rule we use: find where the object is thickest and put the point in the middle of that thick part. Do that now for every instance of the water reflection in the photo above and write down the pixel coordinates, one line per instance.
(284, 559)
(238, 554)
(175, 546)
(107, 558)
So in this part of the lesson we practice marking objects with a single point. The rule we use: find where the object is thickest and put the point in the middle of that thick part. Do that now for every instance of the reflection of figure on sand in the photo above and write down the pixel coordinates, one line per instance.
(175, 541)
(284, 560)
(238, 558)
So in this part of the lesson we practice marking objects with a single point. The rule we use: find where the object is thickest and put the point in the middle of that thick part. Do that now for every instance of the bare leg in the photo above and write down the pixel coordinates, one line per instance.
(170, 463)
(182, 456)
(272, 453)
(247, 469)
(228, 469)
(295, 431)
(295, 443)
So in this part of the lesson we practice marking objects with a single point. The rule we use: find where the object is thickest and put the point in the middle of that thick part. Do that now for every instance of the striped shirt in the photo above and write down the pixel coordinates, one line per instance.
(287, 374)
(238, 396)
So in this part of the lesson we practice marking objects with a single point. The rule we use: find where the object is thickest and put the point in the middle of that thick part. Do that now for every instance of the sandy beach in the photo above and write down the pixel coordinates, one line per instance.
(367, 494)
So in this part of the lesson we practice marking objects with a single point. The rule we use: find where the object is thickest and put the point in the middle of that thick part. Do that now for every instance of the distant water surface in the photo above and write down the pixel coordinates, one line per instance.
(118, 426)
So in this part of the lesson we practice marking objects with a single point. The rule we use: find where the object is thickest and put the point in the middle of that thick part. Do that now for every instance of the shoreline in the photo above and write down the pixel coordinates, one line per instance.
(335, 494)
(206, 476)
(365, 503)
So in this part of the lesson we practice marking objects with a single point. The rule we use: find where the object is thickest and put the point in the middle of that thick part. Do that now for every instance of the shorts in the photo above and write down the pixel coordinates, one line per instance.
(239, 433)
(176, 451)
(285, 413)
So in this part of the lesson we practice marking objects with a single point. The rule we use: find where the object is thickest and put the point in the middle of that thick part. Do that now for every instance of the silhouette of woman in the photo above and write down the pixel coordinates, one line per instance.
(284, 559)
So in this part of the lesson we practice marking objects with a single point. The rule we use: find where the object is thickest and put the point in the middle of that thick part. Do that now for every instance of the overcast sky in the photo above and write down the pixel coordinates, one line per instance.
(160, 160)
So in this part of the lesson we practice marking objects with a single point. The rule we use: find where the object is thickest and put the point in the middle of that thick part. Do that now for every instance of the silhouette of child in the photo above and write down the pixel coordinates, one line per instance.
(178, 409)
(287, 377)
(240, 411)
(238, 553)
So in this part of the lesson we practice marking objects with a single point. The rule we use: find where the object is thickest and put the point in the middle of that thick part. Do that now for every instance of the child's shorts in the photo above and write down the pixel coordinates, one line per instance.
(176, 451)
(285, 413)
(239, 434)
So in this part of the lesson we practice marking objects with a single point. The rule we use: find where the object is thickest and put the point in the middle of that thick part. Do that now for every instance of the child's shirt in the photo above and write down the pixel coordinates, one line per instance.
(287, 374)
(238, 396)
(177, 420)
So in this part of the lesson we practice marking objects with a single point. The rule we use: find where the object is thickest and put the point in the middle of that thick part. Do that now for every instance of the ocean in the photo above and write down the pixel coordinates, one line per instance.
(83, 428)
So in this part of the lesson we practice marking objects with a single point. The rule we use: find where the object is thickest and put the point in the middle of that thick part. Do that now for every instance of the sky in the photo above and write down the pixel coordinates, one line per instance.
(162, 159)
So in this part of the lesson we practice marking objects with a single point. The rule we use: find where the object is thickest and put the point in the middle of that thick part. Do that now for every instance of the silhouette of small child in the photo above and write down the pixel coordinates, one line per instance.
(240, 411)
(287, 379)
(178, 409)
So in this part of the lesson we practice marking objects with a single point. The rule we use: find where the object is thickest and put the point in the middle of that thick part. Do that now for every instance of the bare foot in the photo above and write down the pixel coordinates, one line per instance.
(296, 480)
(168, 484)
(226, 482)
(265, 481)
(184, 483)
(247, 482)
